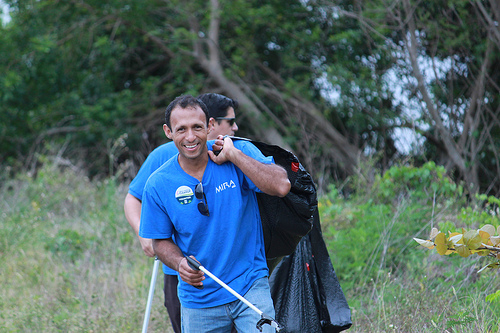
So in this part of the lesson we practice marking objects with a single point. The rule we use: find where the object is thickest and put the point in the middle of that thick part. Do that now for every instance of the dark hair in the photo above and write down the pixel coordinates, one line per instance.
(218, 104)
(184, 102)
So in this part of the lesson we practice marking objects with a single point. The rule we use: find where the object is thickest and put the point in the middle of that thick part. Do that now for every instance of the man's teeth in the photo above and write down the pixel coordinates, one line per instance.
(192, 146)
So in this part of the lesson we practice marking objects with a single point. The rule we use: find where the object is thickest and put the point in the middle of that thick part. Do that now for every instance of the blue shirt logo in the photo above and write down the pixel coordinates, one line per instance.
(224, 186)
(184, 195)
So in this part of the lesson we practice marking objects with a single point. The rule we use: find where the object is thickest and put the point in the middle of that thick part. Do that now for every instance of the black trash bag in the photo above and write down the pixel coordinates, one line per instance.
(306, 292)
(286, 220)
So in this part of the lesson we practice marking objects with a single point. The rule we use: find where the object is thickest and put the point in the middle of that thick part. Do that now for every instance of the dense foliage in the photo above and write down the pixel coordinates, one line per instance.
(403, 203)
(335, 81)
(370, 238)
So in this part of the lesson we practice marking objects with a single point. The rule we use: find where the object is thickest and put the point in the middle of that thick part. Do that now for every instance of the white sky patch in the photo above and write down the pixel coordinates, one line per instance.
(327, 90)
(407, 139)
(4, 14)
(273, 46)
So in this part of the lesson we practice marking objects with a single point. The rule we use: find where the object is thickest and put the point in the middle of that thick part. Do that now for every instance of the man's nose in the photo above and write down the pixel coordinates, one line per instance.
(190, 135)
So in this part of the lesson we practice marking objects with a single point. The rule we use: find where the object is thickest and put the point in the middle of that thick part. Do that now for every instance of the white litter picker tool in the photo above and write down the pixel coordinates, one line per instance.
(264, 318)
(150, 296)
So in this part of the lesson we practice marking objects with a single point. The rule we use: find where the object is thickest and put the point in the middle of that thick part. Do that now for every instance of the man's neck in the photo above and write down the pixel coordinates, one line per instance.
(194, 167)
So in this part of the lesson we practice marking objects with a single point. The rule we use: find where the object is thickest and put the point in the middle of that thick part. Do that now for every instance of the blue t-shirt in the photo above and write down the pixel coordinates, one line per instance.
(229, 242)
(154, 160)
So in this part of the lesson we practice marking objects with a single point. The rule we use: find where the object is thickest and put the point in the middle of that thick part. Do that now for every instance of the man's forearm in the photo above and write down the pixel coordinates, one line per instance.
(168, 252)
(132, 209)
(172, 256)
(271, 179)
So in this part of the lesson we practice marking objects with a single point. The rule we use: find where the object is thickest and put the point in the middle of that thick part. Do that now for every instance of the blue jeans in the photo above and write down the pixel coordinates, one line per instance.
(219, 319)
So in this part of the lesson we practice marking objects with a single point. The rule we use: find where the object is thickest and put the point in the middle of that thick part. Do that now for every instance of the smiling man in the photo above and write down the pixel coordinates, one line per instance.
(222, 112)
(184, 200)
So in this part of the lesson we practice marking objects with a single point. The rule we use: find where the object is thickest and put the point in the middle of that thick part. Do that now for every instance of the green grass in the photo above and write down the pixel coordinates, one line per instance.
(391, 283)
(69, 261)
(409, 304)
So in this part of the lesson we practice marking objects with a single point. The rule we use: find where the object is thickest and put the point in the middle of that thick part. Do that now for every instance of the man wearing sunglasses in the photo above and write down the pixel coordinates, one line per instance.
(207, 203)
(222, 122)
(222, 109)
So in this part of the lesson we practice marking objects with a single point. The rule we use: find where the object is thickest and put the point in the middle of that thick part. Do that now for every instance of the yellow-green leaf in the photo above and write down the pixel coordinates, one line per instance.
(426, 243)
(493, 265)
(456, 238)
(484, 235)
(490, 229)
(472, 239)
(441, 246)
(482, 253)
(462, 250)
(434, 233)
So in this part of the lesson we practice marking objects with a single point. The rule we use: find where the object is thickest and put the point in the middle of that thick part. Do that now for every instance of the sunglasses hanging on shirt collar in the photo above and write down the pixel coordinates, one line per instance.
(200, 195)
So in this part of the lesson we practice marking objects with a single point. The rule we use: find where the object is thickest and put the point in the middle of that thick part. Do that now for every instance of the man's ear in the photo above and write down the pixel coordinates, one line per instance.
(168, 132)
(211, 124)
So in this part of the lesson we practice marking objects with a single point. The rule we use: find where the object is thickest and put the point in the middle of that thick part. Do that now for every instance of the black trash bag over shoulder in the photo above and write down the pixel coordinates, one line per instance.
(286, 220)
(306, 292)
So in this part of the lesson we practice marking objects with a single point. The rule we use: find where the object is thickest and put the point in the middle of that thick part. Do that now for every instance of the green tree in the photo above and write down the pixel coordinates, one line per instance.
(310, 75)
(92, 70)
(448, 53)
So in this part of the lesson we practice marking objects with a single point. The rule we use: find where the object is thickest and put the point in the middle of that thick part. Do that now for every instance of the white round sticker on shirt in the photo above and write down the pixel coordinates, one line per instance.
(184, 195)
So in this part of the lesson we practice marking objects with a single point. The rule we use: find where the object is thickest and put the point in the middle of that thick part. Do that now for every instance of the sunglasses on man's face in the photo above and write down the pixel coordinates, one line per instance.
(200, 195)
(229, 120)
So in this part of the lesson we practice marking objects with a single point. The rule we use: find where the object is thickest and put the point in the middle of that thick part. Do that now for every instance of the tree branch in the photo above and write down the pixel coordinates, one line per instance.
(451, 148)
